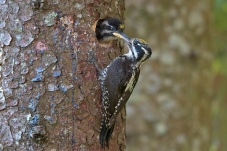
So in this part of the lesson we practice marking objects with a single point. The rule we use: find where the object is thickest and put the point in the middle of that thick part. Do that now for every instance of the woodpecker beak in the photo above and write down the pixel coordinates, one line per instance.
(121, 35)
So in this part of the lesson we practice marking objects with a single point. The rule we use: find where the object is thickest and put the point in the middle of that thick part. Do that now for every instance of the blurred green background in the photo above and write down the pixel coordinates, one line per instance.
(180, 101)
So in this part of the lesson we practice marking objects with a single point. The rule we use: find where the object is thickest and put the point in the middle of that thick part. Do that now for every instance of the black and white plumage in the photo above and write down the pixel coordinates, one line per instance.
(118, 80)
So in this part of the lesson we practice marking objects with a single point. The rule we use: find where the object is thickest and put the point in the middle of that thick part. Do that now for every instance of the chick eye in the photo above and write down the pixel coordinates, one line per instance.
(112, 28)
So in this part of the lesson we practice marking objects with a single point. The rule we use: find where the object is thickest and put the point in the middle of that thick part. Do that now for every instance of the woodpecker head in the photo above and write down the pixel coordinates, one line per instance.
(106, 27)
(138, 48)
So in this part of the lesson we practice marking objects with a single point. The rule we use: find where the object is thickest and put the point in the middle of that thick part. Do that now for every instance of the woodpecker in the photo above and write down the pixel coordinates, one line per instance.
(118, 80)
(104, 29)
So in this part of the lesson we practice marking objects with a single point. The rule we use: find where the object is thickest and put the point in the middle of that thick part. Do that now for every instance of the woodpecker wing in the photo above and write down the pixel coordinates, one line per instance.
(129, 84)
(118, 85)
(118, 76)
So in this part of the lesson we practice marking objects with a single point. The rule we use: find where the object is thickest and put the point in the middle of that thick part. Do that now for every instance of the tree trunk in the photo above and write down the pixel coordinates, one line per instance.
(49, 94)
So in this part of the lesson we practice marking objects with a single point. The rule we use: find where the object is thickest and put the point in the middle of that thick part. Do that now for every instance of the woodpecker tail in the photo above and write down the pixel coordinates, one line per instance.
(105, 135)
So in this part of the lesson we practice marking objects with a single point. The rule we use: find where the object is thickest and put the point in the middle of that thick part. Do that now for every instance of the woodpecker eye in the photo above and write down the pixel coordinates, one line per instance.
(135, 43)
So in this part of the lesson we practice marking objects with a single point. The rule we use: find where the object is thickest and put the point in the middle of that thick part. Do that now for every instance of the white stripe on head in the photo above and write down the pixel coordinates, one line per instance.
(105, 23)
(135, 52)
(145, 51)
(129, 54)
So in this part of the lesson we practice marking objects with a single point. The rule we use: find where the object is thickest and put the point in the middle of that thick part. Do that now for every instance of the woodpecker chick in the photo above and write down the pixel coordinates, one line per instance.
(118, 80)
(106, 27)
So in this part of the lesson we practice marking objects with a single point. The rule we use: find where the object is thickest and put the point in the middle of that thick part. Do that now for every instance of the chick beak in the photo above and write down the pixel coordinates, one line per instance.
(122, 35)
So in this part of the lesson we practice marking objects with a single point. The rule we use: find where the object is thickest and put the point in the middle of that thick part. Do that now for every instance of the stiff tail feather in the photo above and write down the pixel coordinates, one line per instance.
(105, 135)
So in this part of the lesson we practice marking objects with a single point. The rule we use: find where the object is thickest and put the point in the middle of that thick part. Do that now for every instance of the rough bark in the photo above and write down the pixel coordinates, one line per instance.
(49, 93)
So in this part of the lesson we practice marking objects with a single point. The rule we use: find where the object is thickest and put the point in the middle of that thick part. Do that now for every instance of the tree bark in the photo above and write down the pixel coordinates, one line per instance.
(49, 94)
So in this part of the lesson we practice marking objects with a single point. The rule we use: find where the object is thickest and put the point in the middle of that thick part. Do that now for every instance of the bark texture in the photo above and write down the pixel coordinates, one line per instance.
(49, 93)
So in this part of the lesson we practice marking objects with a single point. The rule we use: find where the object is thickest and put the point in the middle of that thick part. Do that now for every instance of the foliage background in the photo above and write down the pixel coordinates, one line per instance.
(180, 100)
